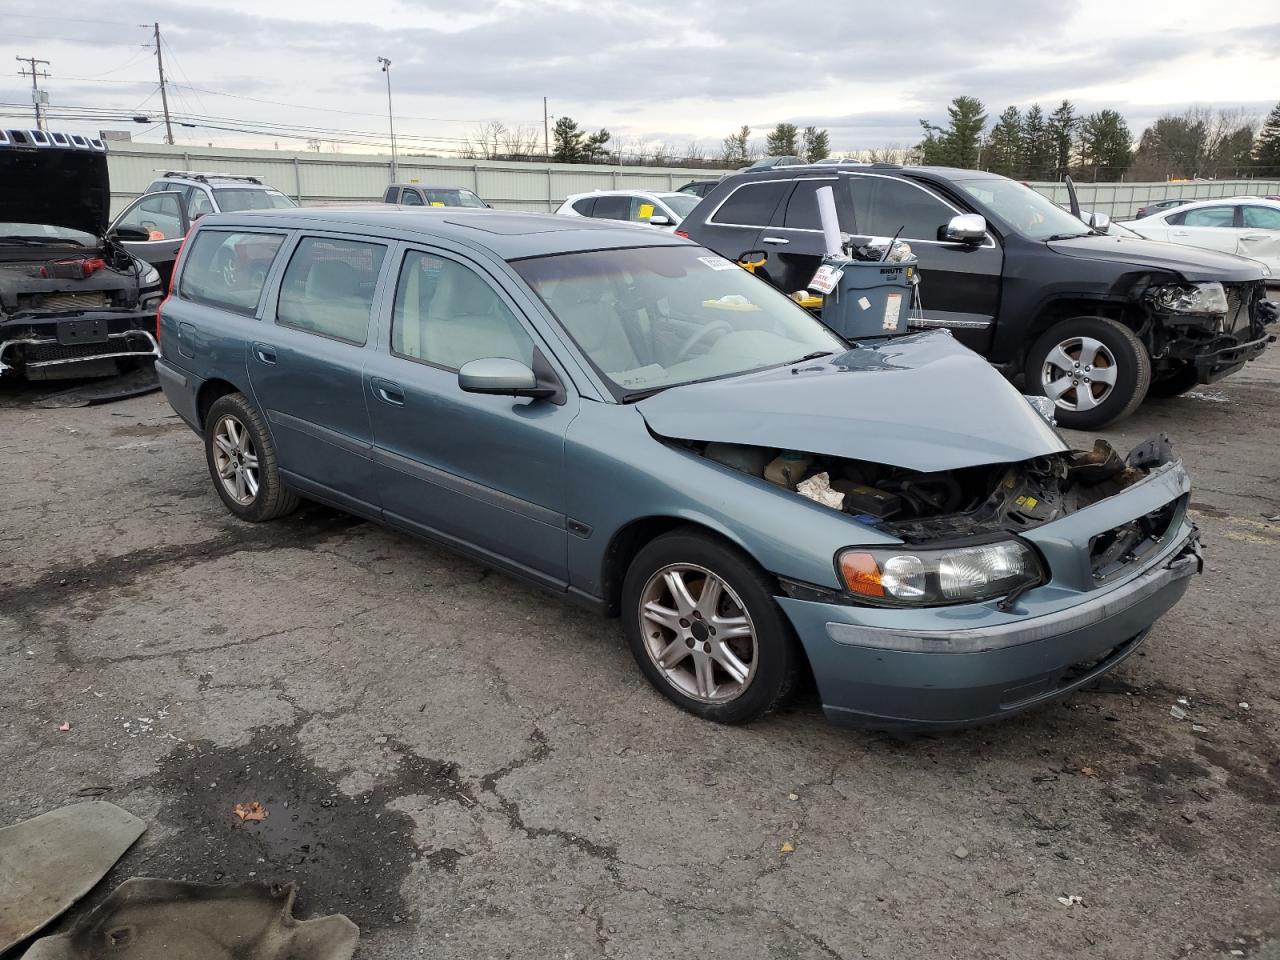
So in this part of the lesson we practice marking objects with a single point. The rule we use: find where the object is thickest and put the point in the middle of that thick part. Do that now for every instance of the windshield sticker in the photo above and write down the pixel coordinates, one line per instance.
(719, 263)
(892, 310)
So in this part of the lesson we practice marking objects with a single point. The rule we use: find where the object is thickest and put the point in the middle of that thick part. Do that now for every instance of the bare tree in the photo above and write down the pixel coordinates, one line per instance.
(486, 140)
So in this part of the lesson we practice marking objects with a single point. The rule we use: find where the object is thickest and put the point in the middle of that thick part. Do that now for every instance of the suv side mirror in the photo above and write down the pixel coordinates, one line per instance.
(130, 234)
(659, 220)
(504, 377)
(970, 228)
(1099, 221)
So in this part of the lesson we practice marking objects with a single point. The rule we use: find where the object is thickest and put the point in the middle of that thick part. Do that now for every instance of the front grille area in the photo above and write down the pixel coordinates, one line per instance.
(1120, 546)
(63, 302)
(41, 353)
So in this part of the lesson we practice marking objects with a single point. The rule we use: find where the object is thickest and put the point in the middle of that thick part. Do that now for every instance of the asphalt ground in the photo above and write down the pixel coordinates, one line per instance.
(469, 768)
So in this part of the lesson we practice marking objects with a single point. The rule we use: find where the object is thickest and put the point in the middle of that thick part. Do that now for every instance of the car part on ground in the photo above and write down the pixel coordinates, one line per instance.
(1000, 265)
(650, 423)
(147, 919)
(51, 861)
(73, 302)
(135, 383)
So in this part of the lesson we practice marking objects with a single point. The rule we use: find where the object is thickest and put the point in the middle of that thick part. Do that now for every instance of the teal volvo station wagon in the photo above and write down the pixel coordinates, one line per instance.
(632, 421)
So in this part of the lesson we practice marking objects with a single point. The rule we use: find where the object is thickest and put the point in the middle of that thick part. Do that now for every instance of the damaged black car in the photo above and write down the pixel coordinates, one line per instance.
(73, 302)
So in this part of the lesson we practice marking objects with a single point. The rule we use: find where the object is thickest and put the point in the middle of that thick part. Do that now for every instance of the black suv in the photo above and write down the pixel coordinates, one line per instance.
(73, 301)
(1094, 321)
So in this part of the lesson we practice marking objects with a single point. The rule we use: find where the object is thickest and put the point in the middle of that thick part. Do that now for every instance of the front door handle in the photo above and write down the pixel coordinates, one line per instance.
(1181, 233)
(264, 352)
(776, 240)
(1253, 239)
(388, 392)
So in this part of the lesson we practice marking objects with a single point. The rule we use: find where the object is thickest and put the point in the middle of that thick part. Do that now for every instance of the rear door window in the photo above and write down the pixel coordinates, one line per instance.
(752, 204)
(1224, 216)
(391, 195)
(227, 269)
(411, 198)
(584, 206)
(801, 211)
(612, 208)
(198, 204)
(328, 287)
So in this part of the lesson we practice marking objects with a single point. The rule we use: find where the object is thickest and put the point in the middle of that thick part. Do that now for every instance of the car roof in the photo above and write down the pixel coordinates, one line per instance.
(851, 166)
(1231, 201)
(432, 186)
(507, 234)
(625, 193)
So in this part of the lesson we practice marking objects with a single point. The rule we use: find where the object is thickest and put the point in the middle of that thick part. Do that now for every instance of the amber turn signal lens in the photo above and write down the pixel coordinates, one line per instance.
(861, 574)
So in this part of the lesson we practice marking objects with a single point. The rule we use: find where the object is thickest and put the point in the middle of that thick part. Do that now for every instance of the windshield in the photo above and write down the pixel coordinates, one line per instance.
(681, 204)
(237, 199)
(47, 232)
(1030, 213)
(453, 198)
(653, 317)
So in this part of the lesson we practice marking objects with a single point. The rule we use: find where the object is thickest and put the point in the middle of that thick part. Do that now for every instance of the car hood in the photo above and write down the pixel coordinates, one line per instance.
(55, 186)
(1192, 263)
(921, 402)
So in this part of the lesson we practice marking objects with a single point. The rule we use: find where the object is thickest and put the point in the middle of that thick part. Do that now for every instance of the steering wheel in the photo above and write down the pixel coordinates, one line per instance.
(699, 335)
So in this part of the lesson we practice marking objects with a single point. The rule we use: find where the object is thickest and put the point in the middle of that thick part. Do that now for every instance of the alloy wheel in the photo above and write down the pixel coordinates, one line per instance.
(236, 459)
(1079, 373)
(698, 633)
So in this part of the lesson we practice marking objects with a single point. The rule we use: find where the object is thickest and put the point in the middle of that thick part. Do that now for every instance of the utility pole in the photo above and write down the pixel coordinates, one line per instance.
(37, 96)
(164, 94)
(391, 119)
(546, 130)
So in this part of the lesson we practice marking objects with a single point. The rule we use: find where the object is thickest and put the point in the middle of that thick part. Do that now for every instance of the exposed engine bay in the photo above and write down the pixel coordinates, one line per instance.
(929, 507)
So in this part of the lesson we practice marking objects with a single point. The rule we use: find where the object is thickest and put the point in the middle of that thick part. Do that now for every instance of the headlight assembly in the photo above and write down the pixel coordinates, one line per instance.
(925, 578)
(150, 279)
(1202, 298)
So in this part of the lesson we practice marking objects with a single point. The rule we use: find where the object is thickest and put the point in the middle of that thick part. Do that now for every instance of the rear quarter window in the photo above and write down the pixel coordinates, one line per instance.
(228, 269)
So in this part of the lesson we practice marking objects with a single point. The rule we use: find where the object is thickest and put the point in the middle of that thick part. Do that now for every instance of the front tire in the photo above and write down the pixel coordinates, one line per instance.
(703, 625)
(242, 461)
(1095, 370)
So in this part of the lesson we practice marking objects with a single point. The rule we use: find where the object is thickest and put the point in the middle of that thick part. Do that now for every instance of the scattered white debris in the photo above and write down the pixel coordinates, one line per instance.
(1243, 705)
(1178, 713)
(1070, 901)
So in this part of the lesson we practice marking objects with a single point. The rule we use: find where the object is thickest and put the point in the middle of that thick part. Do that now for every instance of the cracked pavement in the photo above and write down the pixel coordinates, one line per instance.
(472, 769)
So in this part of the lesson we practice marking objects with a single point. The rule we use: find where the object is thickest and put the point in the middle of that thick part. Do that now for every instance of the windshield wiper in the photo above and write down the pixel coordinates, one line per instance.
(812, 356)
(19, 241)
(631, 396)
(1071, 236)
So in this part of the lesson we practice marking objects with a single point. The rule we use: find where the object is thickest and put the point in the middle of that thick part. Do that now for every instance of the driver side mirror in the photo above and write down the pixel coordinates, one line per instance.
(502, 376)
(1099, 221)
(659, 220)
(129, 234)
(967, 228)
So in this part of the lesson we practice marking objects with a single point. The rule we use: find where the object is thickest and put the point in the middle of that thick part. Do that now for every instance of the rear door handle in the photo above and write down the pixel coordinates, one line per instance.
(777, 240)
(1181, 233)
(264, 352)
(387, 392)
(1253, 238)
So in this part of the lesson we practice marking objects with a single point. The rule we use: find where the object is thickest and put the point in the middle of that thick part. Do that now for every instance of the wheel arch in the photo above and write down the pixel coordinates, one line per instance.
(635, 535)
(211, 391)
(1066, 307)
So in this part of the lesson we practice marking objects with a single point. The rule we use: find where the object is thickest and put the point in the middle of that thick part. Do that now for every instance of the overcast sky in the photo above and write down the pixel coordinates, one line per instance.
(669, 70)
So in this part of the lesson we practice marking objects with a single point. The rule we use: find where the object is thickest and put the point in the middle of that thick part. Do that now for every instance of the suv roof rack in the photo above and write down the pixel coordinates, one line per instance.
(204, 176)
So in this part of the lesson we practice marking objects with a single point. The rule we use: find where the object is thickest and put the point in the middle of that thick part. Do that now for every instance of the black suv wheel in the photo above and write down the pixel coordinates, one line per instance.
(1095, 370)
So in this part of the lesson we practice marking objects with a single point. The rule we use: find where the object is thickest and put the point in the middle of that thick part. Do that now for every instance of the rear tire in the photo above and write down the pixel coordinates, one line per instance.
(1095, 370)
(1175, 382)
(242, 461)
(703, 625)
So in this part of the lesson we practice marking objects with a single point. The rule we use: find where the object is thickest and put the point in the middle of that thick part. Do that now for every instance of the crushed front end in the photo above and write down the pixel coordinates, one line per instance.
(982, 592)
(1213, 328)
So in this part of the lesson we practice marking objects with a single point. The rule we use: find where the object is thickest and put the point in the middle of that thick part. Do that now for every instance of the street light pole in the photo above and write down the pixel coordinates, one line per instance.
(391, 120)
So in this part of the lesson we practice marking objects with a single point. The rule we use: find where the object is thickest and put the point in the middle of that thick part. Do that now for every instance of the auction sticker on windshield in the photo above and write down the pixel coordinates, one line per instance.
(719, 263)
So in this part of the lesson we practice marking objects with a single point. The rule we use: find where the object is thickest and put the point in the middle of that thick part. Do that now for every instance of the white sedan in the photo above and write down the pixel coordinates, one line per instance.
(1247, 226)
(658, 209)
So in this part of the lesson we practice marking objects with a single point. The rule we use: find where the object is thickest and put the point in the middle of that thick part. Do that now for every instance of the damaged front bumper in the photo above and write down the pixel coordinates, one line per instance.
(1218, 346)
(73, 345)
(964, 665)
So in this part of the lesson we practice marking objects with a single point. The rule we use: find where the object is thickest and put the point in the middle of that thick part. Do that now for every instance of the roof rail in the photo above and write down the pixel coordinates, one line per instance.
(204, 176)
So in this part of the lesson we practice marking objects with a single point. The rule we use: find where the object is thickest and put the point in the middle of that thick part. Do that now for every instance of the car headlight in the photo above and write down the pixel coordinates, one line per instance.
(151, 278)
(1207, 298)
(923, 578)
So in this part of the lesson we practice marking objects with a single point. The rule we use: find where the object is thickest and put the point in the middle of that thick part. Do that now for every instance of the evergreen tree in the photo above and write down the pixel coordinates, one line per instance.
(1062, 130)
(1106, 145)
(815, 144)
(958, 144)
(782, 141)
(1267, 150)
(1005, 153)
(1037, 145)
(572, 145)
